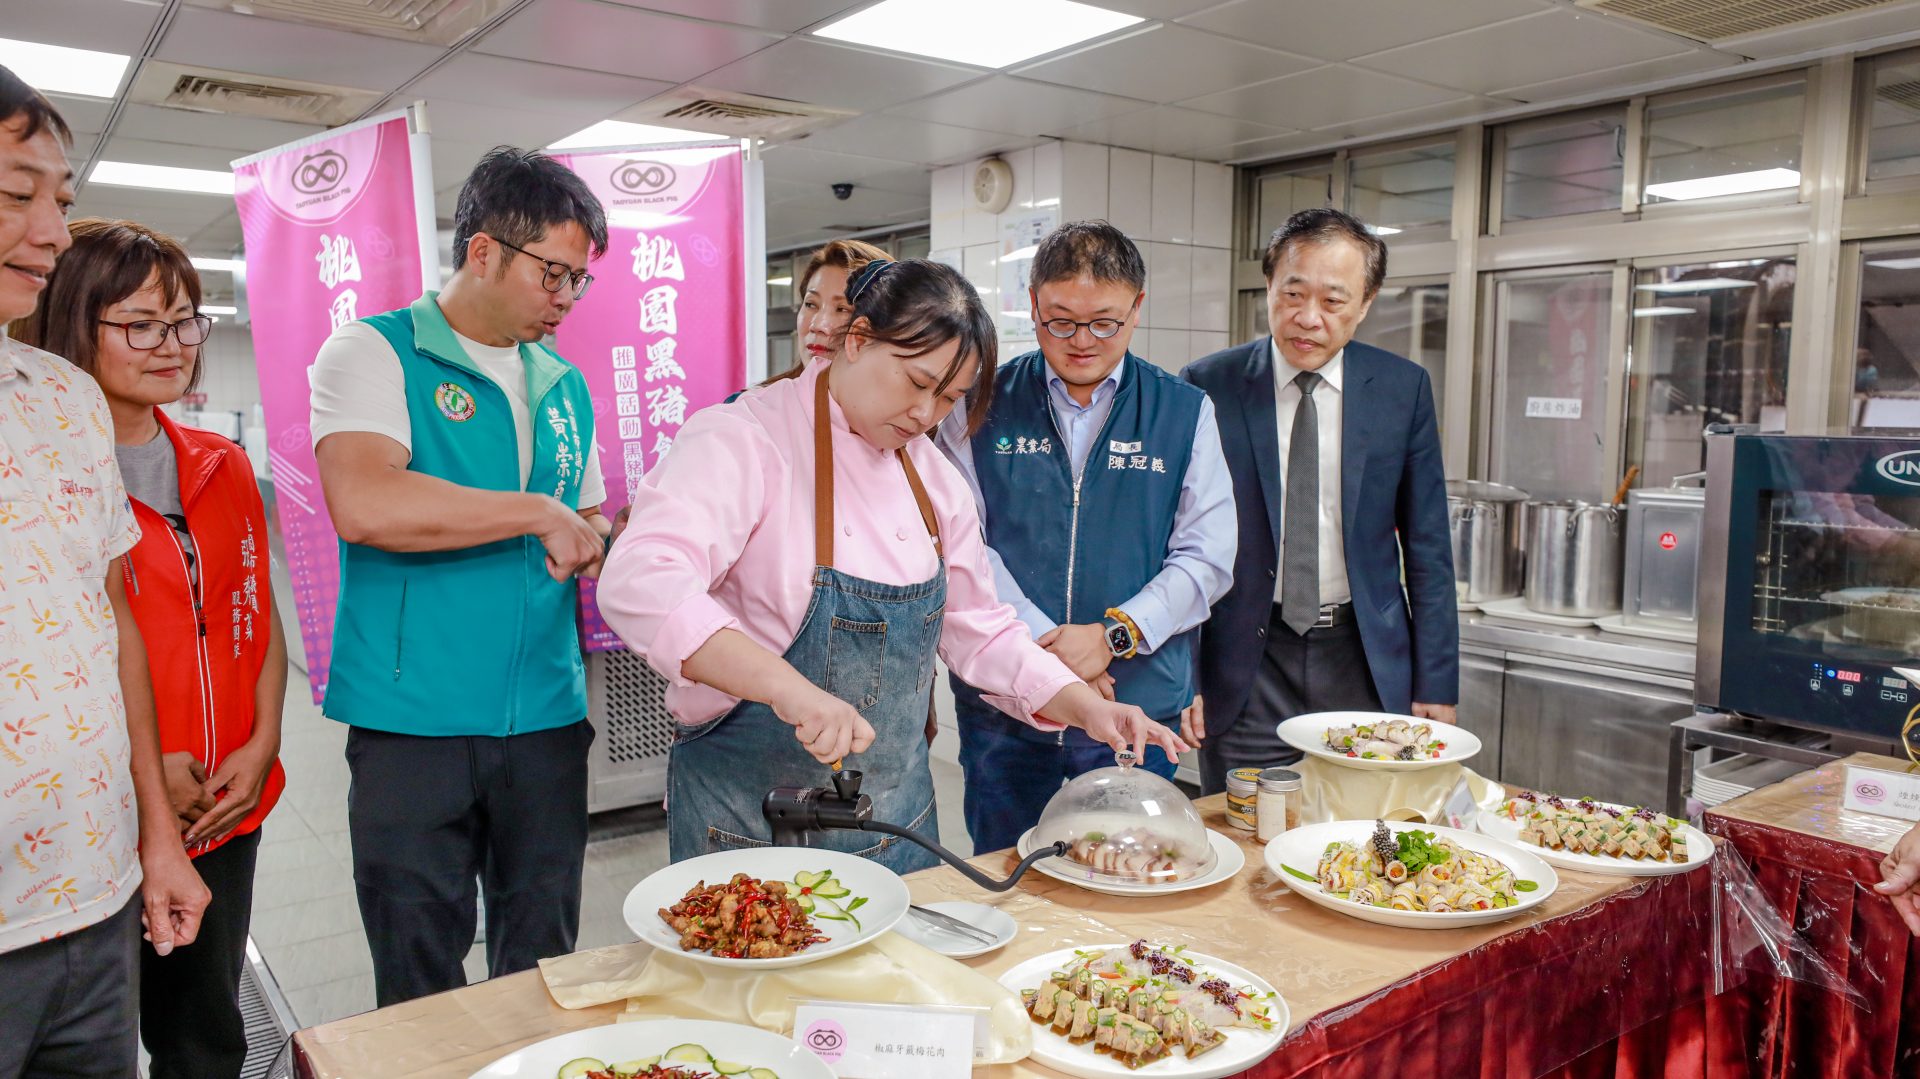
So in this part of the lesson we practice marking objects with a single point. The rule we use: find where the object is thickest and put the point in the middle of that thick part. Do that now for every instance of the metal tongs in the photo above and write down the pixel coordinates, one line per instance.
(954, 925)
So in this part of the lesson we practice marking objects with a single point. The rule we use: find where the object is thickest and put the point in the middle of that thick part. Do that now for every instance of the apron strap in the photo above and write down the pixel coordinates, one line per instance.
(822, 475)
(823, 482)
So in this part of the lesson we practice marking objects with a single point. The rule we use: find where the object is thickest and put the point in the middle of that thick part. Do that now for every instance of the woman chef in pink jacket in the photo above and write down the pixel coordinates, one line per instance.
(796, 562)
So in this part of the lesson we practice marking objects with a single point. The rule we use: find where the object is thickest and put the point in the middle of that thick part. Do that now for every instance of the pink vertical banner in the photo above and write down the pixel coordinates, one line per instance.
(663, 333)
(333, 228)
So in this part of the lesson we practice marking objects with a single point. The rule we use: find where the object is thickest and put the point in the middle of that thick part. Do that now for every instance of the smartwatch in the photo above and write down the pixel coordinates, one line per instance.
(1123, 639)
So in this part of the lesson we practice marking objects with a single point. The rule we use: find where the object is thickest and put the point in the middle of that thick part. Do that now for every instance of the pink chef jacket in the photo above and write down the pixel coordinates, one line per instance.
(721, 537)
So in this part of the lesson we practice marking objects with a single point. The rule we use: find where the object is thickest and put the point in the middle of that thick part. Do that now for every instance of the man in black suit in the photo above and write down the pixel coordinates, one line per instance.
(1335, 457)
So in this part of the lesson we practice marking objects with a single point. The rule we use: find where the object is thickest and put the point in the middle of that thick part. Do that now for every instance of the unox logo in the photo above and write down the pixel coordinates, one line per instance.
(319, 173)
(643, 177)
(1901, 467)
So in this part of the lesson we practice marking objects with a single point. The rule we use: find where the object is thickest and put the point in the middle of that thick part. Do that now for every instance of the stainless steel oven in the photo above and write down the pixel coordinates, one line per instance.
(1810, 581)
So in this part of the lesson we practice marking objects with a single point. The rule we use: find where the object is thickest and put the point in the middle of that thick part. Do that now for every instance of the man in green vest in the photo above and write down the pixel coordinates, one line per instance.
(456, 453)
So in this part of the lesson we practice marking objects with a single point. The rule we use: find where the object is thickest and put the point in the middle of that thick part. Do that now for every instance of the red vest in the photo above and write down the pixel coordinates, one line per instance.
(205, 663)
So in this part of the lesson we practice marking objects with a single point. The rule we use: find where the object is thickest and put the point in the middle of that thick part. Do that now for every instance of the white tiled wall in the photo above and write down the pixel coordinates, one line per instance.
(1180, 212)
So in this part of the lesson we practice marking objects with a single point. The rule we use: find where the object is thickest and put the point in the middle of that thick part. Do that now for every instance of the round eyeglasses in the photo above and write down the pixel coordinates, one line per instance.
(150, 333)
(557, 273)
(1102, 328)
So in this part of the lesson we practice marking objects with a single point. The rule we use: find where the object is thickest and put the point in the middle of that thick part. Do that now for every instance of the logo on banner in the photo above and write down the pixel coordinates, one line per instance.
(317, 174)
(1901, 467)
(455, 402)
(643, 177)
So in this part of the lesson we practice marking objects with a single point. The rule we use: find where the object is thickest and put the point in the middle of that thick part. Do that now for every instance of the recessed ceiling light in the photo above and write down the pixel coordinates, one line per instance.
(985, 33)
(780, 281)
(1895, 264)
(624, 133)
(220, 265)
(1382, 230)
(1702, 284)
(56, 69)
(162, 177)
(1733, 183)
(214, 309)
(1649, 312)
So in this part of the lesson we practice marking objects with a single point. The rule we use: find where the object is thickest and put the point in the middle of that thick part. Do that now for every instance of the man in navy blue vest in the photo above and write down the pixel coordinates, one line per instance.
(1336, 467)
(1109, 521)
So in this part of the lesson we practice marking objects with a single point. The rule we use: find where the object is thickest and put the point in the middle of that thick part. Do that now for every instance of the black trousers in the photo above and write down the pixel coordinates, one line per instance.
(1322, 670)
(67, 1004)
(190, 1000)
(427, 815)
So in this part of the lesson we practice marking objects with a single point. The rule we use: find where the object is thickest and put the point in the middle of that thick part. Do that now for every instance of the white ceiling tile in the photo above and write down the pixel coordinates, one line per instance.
(1353, 27)
(620, 40)
(521, 84)
(460, 121)
(1018, 106)
(1533, 49)
(1156, 9)
(259, 46)
(1257, 149)
(1167, 63)
(1323, 96)
(1620, 79)
(837, 76)
(101, 25)
(85, 115)
(123, 146)
(897, 138)
(820, 169)
(1166, 129)
(1446, 113)
(240, 134)
(784, 15)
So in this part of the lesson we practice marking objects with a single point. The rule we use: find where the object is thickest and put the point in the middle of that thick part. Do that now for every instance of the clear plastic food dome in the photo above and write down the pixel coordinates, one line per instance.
(1126, 826)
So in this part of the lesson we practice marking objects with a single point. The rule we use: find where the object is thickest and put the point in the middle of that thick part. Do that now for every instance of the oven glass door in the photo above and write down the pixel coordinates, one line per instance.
(1823, 586)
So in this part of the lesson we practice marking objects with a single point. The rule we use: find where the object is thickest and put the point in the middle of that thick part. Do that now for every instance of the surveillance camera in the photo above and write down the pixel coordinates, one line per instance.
(843, 192)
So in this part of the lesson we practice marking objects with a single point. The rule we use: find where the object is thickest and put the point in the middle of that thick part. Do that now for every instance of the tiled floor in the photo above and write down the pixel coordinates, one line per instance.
(306, 923)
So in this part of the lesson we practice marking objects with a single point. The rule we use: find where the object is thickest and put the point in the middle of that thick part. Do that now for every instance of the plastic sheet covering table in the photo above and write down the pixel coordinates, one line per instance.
(1816, 862)
(1551, 989)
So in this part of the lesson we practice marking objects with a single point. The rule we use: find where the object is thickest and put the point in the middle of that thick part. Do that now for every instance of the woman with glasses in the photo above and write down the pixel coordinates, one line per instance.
(797, 562)
(123, 306)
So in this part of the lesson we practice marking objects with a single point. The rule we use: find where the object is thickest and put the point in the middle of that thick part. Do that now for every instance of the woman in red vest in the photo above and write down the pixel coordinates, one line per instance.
(123, 305)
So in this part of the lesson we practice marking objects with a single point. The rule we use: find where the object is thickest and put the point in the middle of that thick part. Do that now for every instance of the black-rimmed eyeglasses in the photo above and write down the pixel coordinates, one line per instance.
(1102, 328)
(557, 273)
(150, 333)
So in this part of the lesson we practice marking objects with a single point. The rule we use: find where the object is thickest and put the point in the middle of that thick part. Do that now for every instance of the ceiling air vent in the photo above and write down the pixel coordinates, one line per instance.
(1717, 20)
(732, 115)
(176, 86)
(1904, 94)
(436, 22)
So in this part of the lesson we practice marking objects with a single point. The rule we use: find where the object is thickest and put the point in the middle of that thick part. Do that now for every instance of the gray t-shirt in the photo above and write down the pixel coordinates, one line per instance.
(152, 475)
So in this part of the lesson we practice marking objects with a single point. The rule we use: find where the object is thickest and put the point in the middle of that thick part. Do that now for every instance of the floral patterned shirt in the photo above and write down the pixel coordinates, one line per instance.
(69, 828)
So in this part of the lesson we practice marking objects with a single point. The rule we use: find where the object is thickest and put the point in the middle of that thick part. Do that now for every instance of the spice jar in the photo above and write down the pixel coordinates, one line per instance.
(1242, 789)
(1275, 807)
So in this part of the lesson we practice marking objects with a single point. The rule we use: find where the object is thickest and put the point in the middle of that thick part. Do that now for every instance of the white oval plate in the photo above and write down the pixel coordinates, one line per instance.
(1308, 734)
(1699, 850)
(618, 1043)
(1228, 860)
(885, 894)
(1243, 1049)
(1301, 848)
(949, 942)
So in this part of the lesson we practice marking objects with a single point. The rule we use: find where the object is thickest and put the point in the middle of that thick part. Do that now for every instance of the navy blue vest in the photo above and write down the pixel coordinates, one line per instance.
(1077, 553)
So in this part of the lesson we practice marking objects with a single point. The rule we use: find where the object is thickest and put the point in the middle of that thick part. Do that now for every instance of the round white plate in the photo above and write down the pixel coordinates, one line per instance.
(885, 894)
(1301, 848)
(1244, 1048)
(952, 942)
(1308, 734)
(618, 1043)
(1699, 850)
(1228, 859)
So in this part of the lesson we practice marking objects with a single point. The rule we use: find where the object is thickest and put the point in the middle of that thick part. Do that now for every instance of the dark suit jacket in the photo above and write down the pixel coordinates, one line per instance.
(1391, 481)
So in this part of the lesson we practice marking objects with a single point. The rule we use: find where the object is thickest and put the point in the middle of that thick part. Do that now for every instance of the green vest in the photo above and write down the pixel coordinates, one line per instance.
(479, 641)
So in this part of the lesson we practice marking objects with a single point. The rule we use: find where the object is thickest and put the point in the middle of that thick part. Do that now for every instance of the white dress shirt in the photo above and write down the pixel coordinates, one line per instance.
(1327, 404)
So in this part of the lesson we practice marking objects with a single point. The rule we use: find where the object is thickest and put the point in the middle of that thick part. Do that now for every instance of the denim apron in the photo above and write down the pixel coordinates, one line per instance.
(870, 644)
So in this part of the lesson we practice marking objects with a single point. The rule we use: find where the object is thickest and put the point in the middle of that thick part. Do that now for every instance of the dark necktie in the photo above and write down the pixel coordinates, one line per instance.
(1300, 554)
